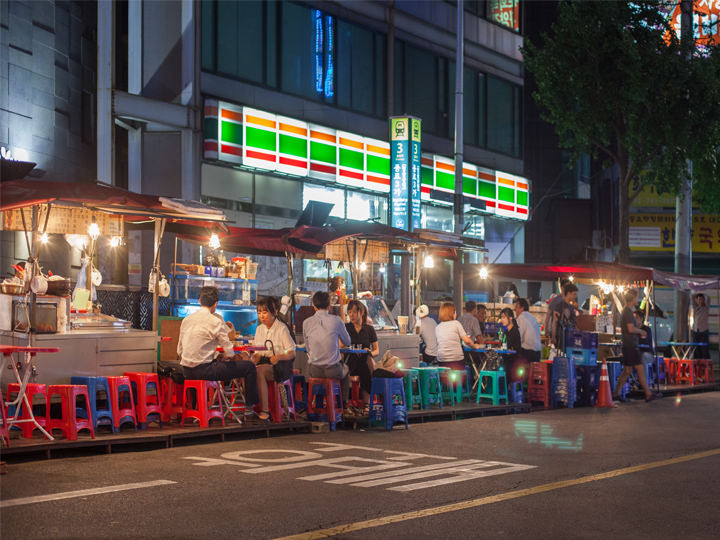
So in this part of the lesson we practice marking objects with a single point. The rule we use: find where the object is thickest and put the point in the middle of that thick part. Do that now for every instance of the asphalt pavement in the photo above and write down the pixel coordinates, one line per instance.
(642, 470)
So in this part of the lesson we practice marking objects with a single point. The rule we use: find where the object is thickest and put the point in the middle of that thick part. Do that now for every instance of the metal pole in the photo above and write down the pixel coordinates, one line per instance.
(458, 200)
(105, 80)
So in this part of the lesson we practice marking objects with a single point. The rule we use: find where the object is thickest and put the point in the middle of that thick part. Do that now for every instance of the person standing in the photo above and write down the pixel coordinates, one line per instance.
(201, 333)
(363, 335)
(701, 330)
(469, 322)
(553, 304)
(564, 315)
(531, 345)
(631, 355)
(426, 330)
(322, 333)
(450, 336)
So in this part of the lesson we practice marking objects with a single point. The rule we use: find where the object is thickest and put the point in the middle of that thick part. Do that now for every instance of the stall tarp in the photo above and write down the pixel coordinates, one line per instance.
(604, 271)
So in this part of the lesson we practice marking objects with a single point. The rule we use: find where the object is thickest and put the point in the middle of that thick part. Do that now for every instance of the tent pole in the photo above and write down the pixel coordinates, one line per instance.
(159, 230)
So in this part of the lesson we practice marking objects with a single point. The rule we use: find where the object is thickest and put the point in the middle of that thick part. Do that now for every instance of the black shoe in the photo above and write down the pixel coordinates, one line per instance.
(653, 397)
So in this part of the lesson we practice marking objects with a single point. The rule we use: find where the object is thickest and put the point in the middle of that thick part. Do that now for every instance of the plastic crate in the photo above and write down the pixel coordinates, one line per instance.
(580, 339)
(582, 357)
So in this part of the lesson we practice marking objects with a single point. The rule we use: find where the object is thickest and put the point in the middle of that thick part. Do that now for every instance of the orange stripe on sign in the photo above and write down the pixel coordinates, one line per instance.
(469, 172)
(486, 176)
(231, 115)
(445, 166)
(211, 111)
(351, 143)
(521, 186)
(261, 121)
(322, 136)
(378, 149)
(297, 130)
(427, 161)
(507, 182)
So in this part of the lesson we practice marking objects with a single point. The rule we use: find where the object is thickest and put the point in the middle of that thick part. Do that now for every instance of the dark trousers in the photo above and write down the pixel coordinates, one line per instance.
(530, 355)
(701, 337)
(429, 360)
(226, 371)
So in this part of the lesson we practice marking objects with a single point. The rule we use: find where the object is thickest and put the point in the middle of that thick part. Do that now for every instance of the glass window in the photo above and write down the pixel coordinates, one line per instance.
(271, 9)
(365, 207)
(227, 37)
(505, 13)
(208, 35)
(500, 115)
(421, 76)
(437, 218)
(276, 191)
(299, 42)
(312, 192)
(355, 58)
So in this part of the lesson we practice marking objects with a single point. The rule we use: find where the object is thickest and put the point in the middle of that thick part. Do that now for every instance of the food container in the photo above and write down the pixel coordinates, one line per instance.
(11, 288)
(45, 318)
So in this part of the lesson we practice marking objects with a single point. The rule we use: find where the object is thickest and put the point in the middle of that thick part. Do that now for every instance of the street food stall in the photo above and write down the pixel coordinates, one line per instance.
(38, 309)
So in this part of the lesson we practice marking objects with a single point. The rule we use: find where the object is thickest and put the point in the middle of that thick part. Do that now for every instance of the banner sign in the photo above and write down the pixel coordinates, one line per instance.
(415, 164)
(400, 173)
(656, 232)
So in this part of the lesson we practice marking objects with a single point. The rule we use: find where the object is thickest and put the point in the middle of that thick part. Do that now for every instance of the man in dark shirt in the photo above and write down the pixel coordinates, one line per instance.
(564, 315)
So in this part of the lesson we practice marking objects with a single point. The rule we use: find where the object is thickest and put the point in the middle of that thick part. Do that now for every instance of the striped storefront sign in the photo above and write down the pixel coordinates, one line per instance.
(469, 180)
(231, 132)
(444, 174)
(211, 134)
(351, 159)
(377, 165)
(260, 148)
(427, 176)
(505, 194)
(487, 189)
(323, 153)
(292, 146)
(522, 198)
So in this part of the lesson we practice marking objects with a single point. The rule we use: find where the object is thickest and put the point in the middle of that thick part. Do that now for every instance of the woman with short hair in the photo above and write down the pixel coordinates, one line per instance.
(450, 336)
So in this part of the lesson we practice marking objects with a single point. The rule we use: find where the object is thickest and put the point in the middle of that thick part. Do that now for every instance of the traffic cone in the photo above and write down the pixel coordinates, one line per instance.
(604, 398)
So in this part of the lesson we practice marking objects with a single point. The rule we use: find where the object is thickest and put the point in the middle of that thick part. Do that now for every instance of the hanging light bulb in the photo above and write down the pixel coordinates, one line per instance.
(115, 241)
(382, 269)
(483, 273)
(214, 241)
(44, 238)
(363, 266)
(94, 231)
(429, 262)
(571, 278)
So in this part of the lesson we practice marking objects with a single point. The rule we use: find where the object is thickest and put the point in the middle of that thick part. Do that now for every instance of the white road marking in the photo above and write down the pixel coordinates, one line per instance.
(82, 493)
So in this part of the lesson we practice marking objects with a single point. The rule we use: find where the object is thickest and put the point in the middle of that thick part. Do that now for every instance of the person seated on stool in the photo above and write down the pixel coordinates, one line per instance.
(363, 335)
(426, 329)
(529, 328)
(322, 333)
(450, 336)
(201, 333)
(516, 366)
(276, 364)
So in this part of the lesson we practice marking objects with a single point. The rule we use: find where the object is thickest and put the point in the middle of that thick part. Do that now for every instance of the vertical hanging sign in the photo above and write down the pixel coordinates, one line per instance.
(405, 172)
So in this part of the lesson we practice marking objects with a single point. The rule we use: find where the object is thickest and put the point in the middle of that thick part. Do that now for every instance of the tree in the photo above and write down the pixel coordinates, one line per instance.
(612, 79)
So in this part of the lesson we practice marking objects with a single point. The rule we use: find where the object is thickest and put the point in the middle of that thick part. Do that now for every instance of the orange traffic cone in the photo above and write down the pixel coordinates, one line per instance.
(604, 398)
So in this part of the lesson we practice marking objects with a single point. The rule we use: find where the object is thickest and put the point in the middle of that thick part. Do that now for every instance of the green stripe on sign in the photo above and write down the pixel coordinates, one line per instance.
(522, 198)
(470, 186)
(426, 176)
(378, 165)
(210, 128)
(260, 138)
(293, 146)
(444, 180)
(351, 158)
(322, 152)
(486, 190)
(506, 194)
(232, 133)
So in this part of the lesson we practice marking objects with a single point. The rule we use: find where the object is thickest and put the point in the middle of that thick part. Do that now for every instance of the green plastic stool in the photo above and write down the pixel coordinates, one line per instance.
(459, 379)
(430, 387)
(492, 385)
(449, 385)
(411, 379)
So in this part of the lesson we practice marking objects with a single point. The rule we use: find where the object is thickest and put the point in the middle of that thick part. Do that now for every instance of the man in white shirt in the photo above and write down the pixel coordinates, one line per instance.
(531, 345)
(701, 329)
(201, 333)
(426, 329)
(322, 332)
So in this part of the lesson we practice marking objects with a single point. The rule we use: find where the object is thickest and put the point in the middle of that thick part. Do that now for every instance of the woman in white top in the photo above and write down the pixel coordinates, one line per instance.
(450, 336)
(274, 364)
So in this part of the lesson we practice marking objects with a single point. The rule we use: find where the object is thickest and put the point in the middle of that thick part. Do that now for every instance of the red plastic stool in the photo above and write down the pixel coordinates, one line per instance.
(31, 390)
(122, 402)
(671, 370)
(4, 436)
(146, 403)
(355, 400)
(204, 409)
(704, 370)
(539, 383)
(172, 399)
(324, 401)
(69, 423)
(685, 371)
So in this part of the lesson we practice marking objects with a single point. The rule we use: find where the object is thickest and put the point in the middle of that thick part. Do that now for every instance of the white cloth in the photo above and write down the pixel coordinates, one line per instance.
(280, 336)
(449, 336)
(529, 332)
(427, 334)
(200, 335)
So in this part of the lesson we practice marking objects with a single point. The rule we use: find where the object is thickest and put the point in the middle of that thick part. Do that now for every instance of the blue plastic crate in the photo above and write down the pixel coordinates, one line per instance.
(579, 339)
(582, 357)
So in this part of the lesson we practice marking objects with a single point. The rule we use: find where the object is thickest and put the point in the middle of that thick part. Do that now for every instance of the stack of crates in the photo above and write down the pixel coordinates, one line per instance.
(582, 347)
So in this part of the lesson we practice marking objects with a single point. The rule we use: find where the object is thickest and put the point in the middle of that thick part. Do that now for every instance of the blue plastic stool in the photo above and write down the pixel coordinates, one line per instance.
(660, 371)
(101, 416)
(563, 387)
(614, 371)
(492, 385)
(516, 394)
(430, 387)
(411, 378)
(469, 379)
(387, 402)
(325, 401)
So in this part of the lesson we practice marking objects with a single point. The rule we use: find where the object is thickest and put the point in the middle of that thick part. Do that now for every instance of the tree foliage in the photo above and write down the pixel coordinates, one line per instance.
(614, 82)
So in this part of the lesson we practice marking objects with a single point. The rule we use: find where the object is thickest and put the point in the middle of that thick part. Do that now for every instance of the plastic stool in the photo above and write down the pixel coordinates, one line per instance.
(324, 401)
(660, 371)
(95, 385)
(204, 409)
(411, 379)
(492, 385)
(70, 423)
(539, 383)
(563, 385)
(468, 382)
(671, 370)
(447, 386)
(515, 392)
(172, 399)
(122, 411)
(31, 390)
(587, 378)
(300, 391)
(387, 399)
(704, 369)
(430, 387)
(355, 400)
(148, 407)
(275, 403)
(685, 371)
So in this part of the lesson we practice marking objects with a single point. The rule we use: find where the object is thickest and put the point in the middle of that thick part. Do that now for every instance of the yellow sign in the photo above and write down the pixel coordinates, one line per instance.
(65, 220)
(656, 232)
